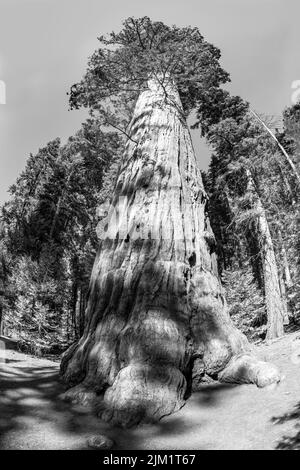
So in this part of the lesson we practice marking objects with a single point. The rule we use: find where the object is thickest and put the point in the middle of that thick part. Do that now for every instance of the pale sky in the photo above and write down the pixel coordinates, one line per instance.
(44, 46)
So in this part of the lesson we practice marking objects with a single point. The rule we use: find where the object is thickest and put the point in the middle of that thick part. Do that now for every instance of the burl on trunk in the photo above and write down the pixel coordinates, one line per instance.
(156, 321)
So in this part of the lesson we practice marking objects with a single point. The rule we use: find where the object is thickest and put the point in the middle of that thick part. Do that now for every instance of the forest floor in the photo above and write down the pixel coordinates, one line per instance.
(220, 416)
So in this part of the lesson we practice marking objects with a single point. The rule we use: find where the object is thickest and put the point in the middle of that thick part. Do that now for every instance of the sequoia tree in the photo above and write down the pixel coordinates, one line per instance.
(276, 314)
(156, 321)
(242, 165)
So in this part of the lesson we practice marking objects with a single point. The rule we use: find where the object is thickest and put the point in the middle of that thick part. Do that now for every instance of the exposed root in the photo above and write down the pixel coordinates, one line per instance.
(143, 393)
(248, 369)
(80, 395)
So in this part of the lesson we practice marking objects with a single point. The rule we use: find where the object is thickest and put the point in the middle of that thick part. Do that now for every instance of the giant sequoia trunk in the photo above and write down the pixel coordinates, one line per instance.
(276, 314)
(156, 320)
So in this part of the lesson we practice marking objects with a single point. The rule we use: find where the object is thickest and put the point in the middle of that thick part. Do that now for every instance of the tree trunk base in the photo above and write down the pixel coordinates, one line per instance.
(80, 395)
(142, 393)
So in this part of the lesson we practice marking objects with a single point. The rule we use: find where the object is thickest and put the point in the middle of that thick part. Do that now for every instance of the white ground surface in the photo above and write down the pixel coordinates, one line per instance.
(219, 417)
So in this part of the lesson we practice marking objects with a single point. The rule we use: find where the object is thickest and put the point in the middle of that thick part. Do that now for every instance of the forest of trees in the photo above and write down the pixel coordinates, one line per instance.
(250, 199)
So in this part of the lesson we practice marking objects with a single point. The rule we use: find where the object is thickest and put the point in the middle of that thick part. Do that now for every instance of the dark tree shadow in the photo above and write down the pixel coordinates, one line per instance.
(211, 394)
(291, 442)
(33, 393)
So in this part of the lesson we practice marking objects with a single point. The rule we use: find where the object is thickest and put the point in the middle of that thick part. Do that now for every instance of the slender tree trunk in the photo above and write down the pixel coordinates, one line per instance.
(284, 299)
(287, 184)
(82, 307)
(3, 282)
(274, 307)
(156, 320)
(287, 272)
(1, 320)
(285, 277)
(76, 309)
(285, 263)
(288, 158)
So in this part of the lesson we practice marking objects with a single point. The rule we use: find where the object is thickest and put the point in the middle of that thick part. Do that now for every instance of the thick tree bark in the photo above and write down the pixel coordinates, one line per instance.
(275, 310)
(156, 320)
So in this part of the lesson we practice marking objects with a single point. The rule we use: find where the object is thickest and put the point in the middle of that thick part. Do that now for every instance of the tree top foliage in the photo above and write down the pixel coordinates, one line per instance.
(119, 70)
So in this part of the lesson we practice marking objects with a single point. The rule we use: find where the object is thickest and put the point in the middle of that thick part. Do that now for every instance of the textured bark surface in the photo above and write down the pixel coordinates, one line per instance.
(275, 309)
(156, 320)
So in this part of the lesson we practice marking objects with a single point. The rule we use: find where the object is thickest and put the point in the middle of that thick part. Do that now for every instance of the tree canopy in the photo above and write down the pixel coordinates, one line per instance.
(119, 69)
